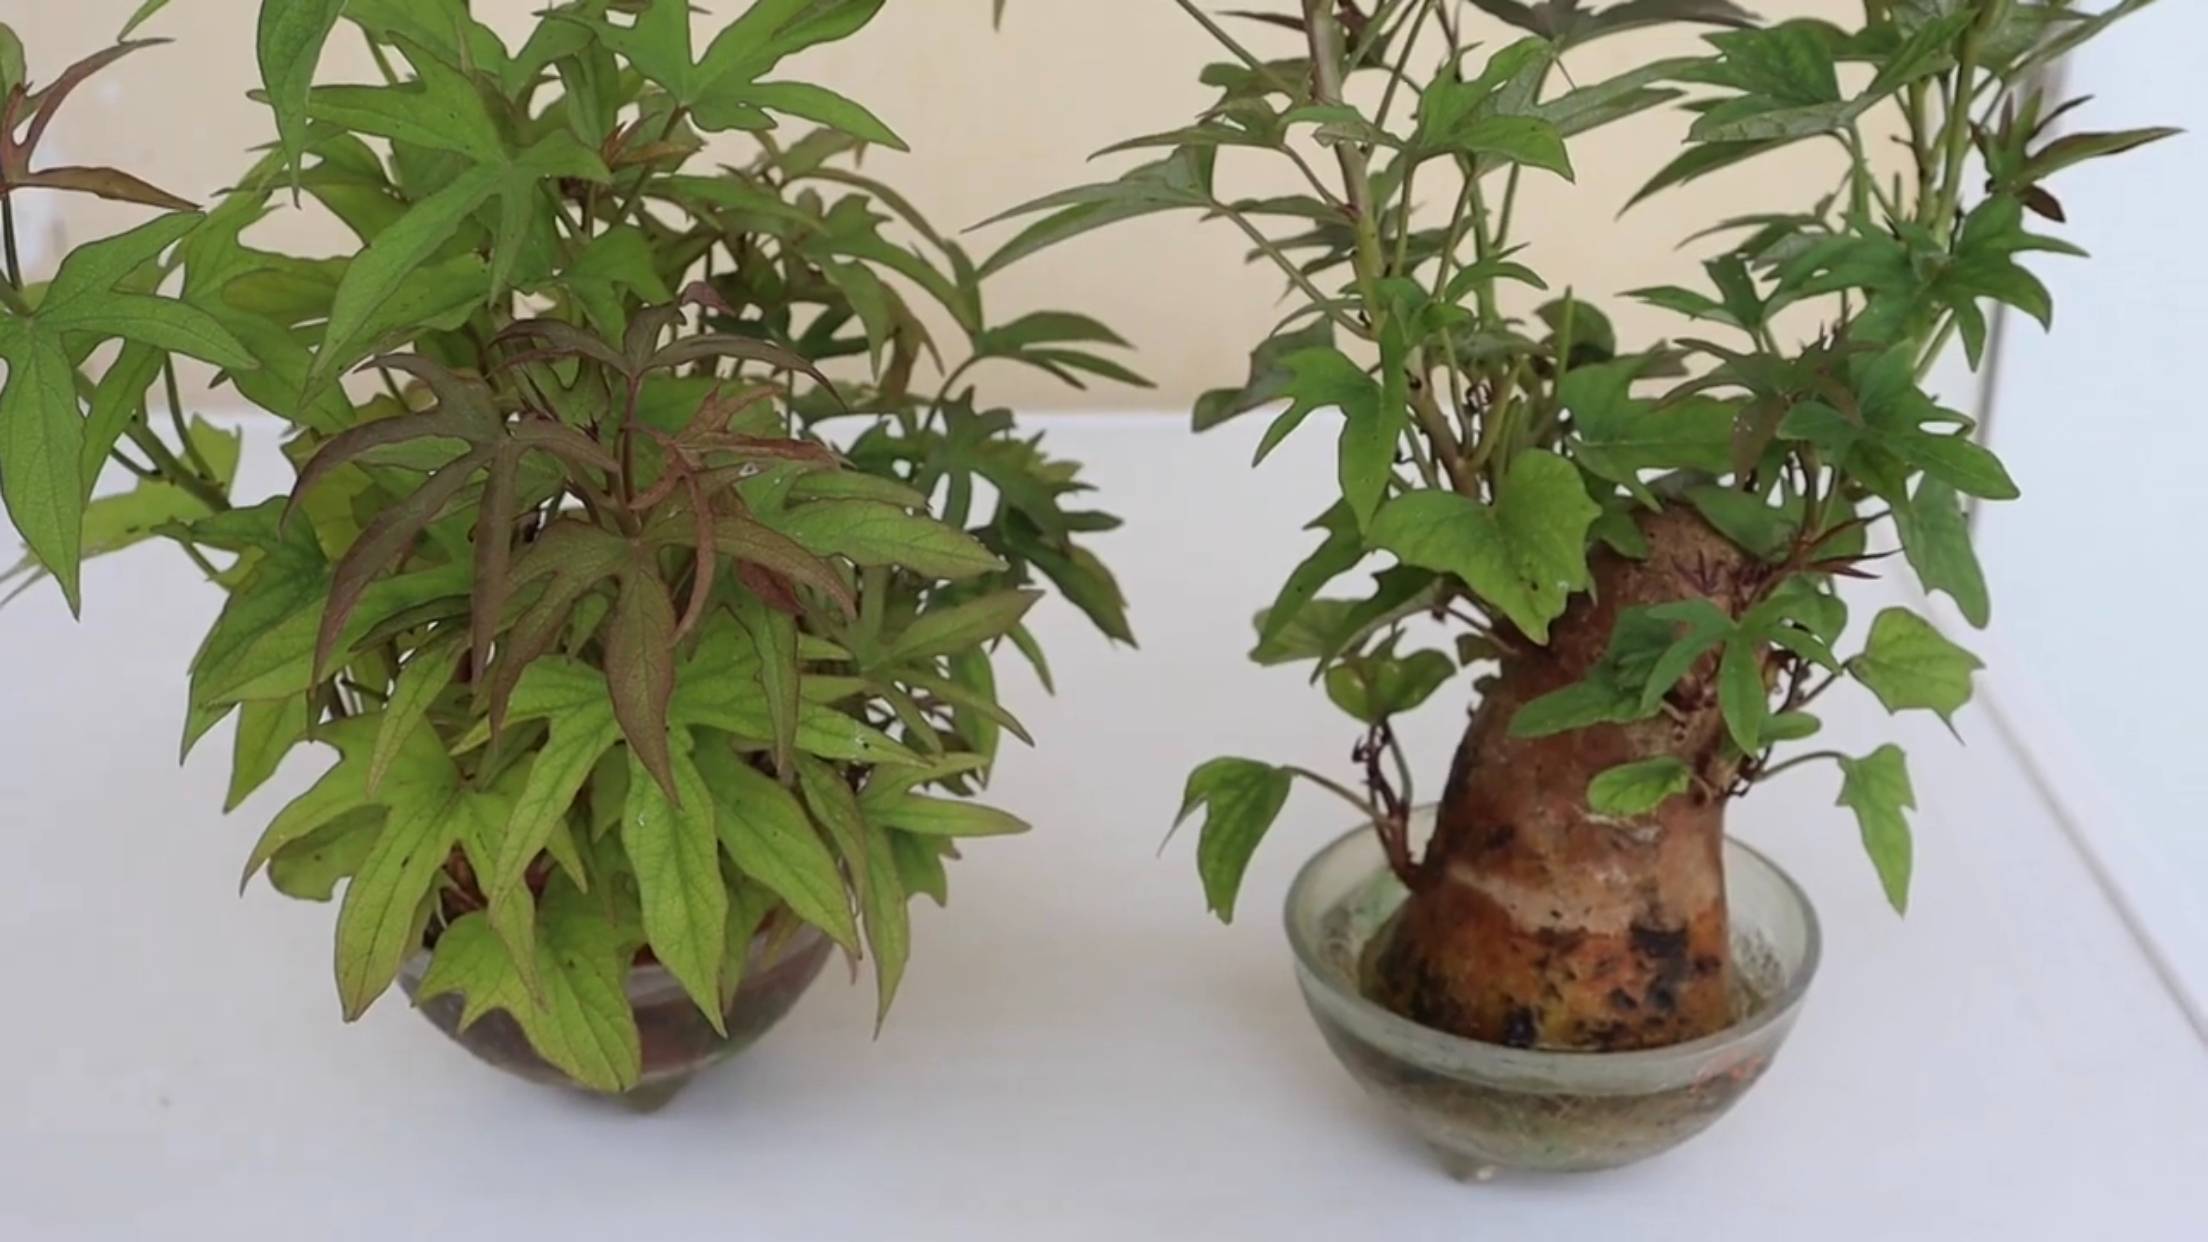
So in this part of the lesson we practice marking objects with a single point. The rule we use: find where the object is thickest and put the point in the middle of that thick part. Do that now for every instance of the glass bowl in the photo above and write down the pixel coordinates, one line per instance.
(1484, 1106)
(676, 1039)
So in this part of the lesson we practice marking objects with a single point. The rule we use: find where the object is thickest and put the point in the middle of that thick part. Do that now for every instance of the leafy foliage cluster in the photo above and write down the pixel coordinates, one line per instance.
(621, 657)
(1488, 452)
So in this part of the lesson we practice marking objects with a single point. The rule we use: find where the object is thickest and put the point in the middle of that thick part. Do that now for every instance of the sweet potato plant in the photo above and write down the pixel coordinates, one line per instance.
(1638, 548)
(635, 634)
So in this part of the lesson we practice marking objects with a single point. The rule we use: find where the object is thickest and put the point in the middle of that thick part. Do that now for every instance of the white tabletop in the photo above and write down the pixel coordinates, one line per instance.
(1079, 1052)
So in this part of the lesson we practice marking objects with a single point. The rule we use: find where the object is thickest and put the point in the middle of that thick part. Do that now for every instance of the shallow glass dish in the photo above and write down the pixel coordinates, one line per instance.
(1484, 1106)
(676, 1039)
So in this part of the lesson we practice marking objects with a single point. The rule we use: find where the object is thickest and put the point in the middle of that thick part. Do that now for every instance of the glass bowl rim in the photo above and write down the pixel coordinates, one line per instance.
(1442, 1046)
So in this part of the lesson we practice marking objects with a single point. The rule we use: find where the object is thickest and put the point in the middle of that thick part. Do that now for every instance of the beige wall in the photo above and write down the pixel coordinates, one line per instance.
(993, 121)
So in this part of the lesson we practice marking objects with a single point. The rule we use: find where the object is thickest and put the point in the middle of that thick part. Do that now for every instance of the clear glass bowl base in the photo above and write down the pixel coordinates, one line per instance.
(1485, 1107)
(677, 1041)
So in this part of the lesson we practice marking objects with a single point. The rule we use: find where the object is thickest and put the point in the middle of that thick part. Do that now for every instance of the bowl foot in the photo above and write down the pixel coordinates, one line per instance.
(1470, 1170)
(654, 1096)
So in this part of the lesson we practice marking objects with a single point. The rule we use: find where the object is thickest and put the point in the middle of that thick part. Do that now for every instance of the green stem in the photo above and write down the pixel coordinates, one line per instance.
(1817, 756)
(176, 420)
(1935, 347)
(1402, 63)
(175, 471)
(207, 567)
(1336, 788)
(1955, 126)
(1859, 176)
(1241, 53)
(383, 63)
(1325, 37)
(1510, 205)
(1295, 274)
(1483, 241)
(1914, 106)
(644, 175)
(1446, 448)
(127, 462)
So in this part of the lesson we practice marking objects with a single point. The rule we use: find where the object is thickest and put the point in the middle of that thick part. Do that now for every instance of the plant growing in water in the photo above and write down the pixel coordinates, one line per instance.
(622, 661)
(1643, 544)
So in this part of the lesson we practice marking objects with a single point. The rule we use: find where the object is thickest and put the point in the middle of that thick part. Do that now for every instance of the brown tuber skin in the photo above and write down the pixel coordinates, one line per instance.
(1532, 921)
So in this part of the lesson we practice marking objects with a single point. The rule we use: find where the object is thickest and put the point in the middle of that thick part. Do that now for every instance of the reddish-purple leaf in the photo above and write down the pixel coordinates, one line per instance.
(561, 340)
(750, 542)
(640, 669)
(760, 446)
(575, 557)
(381, 545)
(464, 395)
(565, 443)
(719, 408)
(45, 103)
(643, 336)
(772, 588)
(347, 445)
(494, 553)
(742, 348)
(108, 183)
(699, 293)
(708, 559)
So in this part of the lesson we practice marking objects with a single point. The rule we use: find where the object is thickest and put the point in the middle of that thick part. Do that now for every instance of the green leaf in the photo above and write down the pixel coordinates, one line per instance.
(1621, 436)
(1704, 626)
(583, 1023)
(1745, 519)
(13, 72)
(1373, 688)
(946, 631)
(340, 792)
(43, 436)
(817, 103)
(1577, 706)
(1699, 161)
(579, 738)
(1241, 799)
(1526, 140)
(882, 899)
(1634, 789)
(1909, 664)
(1526, 554)
(424, 678)
(311, 868)
(945, 817)
(144, 13)
(379, 272)
(41, 445)
(1936, 536)
(1344, 547)
(289, 46)
(1320, 379)
(120, 397)
(674, 846)
(1877, 789)
(774, 640)
(1180, 182)
(1956, 461)
(267, 730)
(769, 837)
(1270, 376)
(870, 534)
(1742, 694)
(380, 919)
(2071, 149)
